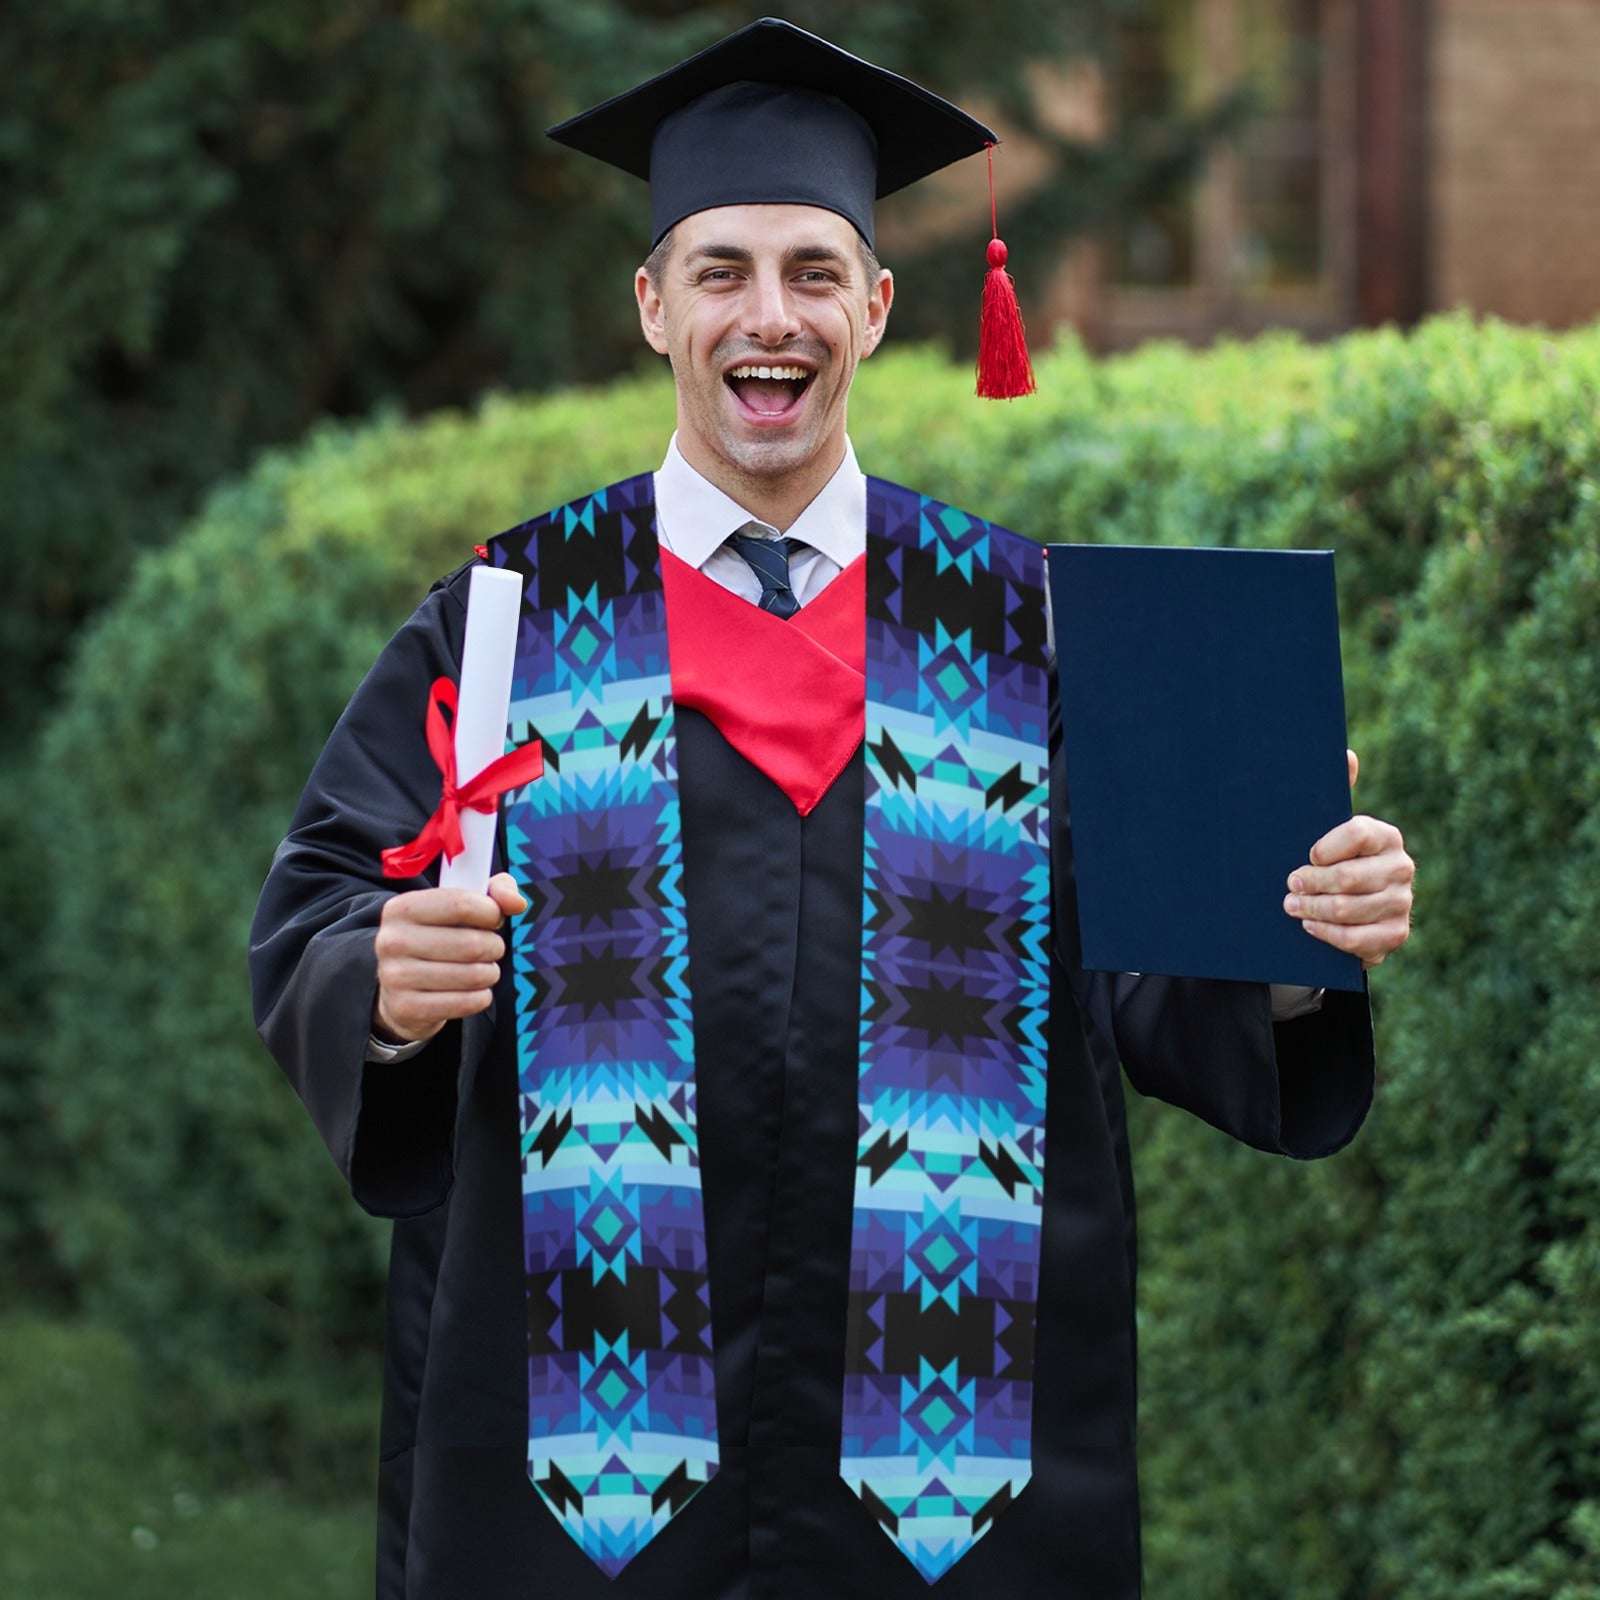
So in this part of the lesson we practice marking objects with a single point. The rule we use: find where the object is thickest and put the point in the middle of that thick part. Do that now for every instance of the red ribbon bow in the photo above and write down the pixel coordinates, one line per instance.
(442, 831)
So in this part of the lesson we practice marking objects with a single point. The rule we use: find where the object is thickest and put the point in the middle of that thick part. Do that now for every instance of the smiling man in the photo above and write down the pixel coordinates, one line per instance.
(729, 1260)
(764, 312)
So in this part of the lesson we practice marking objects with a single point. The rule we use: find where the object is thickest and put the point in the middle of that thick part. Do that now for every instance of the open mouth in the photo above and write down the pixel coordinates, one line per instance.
(769, 391)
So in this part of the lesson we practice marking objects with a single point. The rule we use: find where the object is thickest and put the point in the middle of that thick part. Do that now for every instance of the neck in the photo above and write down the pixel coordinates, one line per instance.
(776, 500)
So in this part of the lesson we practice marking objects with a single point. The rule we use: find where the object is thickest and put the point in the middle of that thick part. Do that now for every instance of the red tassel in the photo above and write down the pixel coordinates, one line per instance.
(1004, 370)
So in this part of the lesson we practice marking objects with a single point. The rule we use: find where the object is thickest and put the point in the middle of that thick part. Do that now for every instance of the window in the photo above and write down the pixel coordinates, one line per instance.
(1265, 235)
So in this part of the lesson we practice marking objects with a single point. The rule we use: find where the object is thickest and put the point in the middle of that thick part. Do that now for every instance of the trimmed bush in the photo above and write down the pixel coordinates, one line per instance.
(196, 1210)
(1376, 1377)
(1373, 1377)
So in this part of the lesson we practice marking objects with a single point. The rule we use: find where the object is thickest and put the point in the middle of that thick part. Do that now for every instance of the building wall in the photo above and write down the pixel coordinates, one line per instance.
(1514, 158)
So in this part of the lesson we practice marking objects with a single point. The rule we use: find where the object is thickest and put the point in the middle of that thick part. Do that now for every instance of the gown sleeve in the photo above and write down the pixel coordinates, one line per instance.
(1299, 1088)
(313, 965)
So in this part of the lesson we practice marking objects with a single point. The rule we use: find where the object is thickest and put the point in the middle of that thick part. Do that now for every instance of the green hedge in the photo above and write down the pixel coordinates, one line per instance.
(1377, 1377)
(194, 1207)
(1374, 1377)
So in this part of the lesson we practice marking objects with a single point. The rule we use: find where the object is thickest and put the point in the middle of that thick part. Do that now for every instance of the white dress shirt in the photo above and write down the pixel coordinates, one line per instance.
(694, 518)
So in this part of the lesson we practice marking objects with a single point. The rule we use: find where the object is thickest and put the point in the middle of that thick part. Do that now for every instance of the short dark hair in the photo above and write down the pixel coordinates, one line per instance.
(656, 262)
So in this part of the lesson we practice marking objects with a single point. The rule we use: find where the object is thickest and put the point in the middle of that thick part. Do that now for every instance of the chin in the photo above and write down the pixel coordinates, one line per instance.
(770, 457)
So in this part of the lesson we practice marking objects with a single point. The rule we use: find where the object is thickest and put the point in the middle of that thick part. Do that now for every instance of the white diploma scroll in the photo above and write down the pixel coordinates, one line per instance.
(494, 600)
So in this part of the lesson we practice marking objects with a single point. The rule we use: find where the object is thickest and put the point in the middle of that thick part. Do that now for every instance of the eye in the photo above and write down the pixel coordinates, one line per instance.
(718, 275)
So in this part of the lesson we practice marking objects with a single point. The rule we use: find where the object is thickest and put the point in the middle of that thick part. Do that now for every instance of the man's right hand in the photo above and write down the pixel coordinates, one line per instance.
(438, 957)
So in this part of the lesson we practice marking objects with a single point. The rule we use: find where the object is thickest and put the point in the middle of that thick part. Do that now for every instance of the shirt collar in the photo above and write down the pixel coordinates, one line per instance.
(695, 517)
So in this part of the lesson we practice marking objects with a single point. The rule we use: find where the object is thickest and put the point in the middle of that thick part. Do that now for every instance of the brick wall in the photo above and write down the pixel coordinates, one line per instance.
(1515, 158)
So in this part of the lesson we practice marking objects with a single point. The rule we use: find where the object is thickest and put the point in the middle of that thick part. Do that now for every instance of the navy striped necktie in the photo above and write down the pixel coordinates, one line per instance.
(769, 560)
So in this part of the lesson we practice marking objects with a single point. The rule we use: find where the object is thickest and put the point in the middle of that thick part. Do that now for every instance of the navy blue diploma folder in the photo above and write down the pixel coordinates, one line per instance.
(1202, 711)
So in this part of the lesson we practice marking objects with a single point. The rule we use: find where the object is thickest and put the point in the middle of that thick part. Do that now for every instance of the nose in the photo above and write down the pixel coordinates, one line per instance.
(771, 319)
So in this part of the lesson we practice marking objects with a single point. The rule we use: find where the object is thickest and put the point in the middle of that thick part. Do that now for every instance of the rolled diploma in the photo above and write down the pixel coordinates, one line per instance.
(494, 600)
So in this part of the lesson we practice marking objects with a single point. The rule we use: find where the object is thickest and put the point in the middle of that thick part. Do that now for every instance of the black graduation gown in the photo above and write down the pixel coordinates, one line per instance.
(774, 906)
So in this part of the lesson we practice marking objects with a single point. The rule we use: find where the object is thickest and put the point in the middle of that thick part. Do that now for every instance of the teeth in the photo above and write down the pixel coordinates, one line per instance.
(796, 374)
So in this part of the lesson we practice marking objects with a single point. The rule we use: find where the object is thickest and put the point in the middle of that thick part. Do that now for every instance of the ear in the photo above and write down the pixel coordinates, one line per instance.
(880, 298)
(652, 315)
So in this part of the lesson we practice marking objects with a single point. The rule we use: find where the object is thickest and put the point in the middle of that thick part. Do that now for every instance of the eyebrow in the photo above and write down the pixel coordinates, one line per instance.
(738, 255)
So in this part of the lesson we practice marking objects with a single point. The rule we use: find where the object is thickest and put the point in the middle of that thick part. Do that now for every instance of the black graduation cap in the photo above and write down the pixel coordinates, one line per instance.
(774, 115)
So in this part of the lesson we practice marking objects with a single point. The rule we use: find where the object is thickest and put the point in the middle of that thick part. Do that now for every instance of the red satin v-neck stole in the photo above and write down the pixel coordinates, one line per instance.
(791, 697)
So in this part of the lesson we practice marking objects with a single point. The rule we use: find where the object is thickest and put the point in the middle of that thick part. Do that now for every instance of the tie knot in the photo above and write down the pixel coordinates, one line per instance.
(769, 559)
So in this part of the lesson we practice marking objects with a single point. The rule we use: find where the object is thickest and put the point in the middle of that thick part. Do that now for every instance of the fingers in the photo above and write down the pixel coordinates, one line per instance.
(403, 1015)
(1356, 892)
(446, 908)
(1375, 905)
(438, 956)
(403, 937)
(1317, 890)
(464, 965)
(1360, 836)
(1372, 941)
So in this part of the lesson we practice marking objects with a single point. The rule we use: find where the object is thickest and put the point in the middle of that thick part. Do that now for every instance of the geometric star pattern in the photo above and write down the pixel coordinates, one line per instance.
(621, 1392)
(944, 1246)
(944, 1262)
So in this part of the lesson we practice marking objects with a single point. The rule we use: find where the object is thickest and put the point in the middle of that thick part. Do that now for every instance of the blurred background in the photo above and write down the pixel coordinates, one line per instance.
(297, 304)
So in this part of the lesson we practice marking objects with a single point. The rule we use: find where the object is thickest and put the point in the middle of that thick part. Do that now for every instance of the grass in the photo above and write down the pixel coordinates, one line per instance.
(93, 1503)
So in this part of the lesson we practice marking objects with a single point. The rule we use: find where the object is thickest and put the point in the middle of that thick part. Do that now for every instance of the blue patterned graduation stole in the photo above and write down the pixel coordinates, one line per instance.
(944, 1254)
(621, 1392)
(944, 1261)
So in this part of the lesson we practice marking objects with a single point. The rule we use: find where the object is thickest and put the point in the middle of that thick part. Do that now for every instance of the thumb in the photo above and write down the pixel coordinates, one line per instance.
(1354, 762)
(504, 892)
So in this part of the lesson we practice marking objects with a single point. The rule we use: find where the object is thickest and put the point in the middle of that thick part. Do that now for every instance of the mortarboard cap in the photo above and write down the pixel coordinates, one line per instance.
(774, 115)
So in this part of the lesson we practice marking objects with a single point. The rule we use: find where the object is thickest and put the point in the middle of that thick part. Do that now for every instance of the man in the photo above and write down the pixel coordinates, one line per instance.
(722, 1208)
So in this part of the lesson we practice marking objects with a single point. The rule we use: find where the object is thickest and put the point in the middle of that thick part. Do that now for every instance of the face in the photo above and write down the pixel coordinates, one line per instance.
(764, 312)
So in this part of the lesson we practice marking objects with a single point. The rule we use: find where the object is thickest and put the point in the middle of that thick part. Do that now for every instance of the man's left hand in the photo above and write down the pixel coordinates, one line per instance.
(1355, 893)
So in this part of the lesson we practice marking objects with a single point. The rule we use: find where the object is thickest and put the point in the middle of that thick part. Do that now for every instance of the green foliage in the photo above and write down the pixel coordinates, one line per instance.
(1375, 1378)
(1497, 759)
(220, 224)
(1369, 1379)
(24, 1146)
(193, 1212)
(1387, 1389)
(96, 1500)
